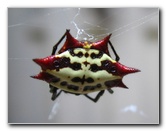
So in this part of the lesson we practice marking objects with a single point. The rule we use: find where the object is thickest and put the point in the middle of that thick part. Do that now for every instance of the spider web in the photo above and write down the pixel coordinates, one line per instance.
(120, 30)
(82, 28)
(85, 24)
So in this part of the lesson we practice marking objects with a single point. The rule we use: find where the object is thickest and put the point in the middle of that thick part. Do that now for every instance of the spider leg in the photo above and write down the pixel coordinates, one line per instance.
(97, 96)
(56, 45)
(53, 90)
(116, 55)
(110, 90)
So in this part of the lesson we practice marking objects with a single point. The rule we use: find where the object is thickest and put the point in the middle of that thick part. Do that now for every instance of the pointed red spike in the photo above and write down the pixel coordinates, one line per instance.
(71, 42)
(124, 70)
(102, 44)
(40, 76)
(121, 84)
(115, 83)
(38, 61)
(45, 77)
(45, 63)
(33, 77)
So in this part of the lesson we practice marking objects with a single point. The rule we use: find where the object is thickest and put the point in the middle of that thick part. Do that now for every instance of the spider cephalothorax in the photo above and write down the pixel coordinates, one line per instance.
(82, 68)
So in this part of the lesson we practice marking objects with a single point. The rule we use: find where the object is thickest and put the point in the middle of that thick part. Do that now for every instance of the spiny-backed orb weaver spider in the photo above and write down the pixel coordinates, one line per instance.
(82, 67)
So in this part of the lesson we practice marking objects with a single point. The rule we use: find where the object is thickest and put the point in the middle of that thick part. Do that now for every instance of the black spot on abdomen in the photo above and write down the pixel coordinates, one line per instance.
(76, 79)
(89, 80)
(82, 80)
(94, 68)
(63, 83)
(79, 54)
(73, 87)
(75, 66)
(98, 56)
(86, 88)
(61, 63)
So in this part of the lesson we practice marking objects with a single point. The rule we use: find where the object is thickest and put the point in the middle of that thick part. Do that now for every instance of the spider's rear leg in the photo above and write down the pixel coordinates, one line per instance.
(53, 90)
(97, 96)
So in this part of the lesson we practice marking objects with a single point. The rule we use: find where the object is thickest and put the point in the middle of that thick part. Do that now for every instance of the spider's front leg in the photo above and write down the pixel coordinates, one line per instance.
(116, 55)
(56, 45)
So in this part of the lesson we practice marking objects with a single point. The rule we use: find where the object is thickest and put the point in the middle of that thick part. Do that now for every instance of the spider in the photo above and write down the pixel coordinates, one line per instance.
(82, 67)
